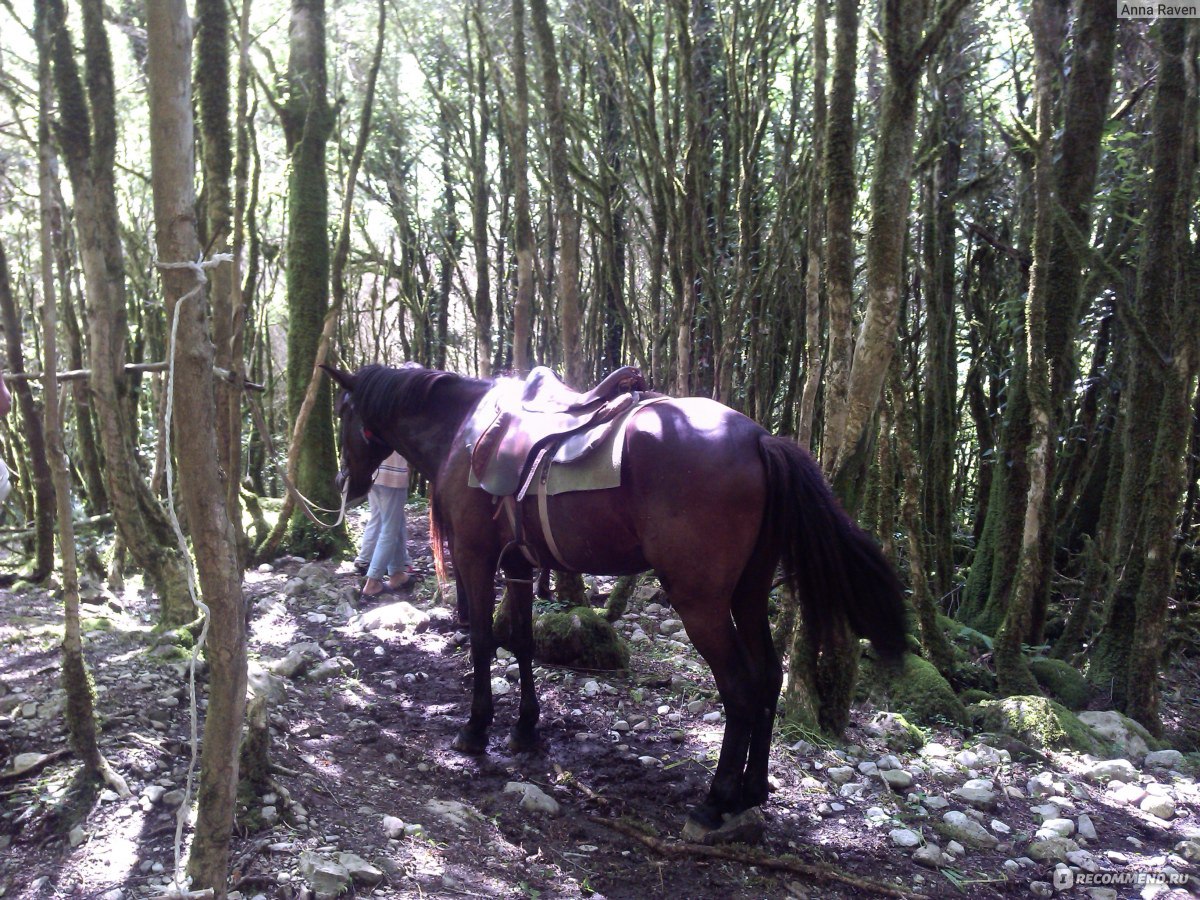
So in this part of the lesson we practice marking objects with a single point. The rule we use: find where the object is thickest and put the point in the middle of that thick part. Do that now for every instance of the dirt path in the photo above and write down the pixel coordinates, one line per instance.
(361, 736)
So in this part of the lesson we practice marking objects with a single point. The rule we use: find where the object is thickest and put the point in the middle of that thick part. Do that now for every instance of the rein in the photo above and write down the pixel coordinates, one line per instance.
(308, 507)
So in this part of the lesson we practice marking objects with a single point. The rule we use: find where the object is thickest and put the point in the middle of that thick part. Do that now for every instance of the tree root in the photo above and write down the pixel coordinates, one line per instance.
(751, 857)
(112, 778)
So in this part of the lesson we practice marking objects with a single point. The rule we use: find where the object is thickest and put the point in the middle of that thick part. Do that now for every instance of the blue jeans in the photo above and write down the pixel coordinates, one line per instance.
(385, 539)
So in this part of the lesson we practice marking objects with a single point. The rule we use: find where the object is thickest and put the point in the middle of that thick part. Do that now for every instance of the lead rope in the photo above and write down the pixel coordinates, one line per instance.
(179, 881)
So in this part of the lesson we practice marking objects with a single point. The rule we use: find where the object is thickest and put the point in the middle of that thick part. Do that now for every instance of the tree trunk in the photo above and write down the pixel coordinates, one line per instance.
(88, 138)
(816, 218)
(1012, 669)
(570, 303)
(519, 142)
(212, 87)
(842, 190)
(907, 46)
(31, 414)
(169, 32)
(308, 124)
(1168, 310)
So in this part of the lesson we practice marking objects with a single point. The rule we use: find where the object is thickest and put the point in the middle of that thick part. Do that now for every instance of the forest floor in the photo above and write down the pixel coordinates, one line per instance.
(370, 799)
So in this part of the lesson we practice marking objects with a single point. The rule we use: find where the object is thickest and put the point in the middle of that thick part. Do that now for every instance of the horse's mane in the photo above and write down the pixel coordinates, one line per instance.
(381, 393)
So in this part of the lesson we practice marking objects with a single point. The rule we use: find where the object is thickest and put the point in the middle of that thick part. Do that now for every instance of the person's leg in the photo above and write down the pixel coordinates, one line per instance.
(370, 533)
(389, 509)
(398, 566)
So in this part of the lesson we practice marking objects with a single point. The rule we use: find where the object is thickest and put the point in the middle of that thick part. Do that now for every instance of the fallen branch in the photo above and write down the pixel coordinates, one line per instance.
(750, 857)
(53, 756)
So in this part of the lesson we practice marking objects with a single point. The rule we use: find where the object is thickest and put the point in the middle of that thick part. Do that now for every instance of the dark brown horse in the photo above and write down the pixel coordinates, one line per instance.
(708, 500)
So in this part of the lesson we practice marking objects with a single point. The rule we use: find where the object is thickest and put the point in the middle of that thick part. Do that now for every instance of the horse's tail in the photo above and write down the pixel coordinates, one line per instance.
(834, 568)
(437, 542)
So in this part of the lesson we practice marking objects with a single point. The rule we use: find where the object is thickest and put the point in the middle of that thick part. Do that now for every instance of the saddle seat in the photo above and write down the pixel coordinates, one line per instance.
(517, 422)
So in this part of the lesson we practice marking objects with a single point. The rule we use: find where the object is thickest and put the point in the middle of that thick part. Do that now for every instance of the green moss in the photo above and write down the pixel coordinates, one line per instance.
(1060, 680)
(580, 638)
(973, 695)
(914, 688)
(1039, 722)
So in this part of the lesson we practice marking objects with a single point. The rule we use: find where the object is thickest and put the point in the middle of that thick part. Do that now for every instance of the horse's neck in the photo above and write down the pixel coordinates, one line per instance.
(427, 437)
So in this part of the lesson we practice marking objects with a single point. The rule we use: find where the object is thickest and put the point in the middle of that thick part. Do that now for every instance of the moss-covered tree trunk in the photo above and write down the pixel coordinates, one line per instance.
(1168, 312)
(31, 414)
(841, 191)
(80, 701)
(570, 302)
(1012, 669)
(308, 123)
(87, 134)
(814, 239)
(212, 89)
(907, 45)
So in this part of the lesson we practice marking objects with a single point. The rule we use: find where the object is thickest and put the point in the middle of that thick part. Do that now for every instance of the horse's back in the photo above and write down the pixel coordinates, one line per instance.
(696, 484)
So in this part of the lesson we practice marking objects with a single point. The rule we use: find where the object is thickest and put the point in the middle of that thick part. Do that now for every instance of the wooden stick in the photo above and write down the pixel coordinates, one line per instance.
(130, 368)
(752, 857)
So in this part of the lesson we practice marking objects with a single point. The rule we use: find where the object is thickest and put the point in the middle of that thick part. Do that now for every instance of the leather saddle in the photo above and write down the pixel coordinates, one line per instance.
(518, 422)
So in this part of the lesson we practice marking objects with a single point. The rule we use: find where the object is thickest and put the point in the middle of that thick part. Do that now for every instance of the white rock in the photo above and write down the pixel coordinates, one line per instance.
(1115, 728)
(1046, 811)
(22, 762)
(956, 848)
(868, 768)
(77, 836)
(936, 803)
(359, 869)
(1163, 759)
(1086, 829)
(897, 779)
(976, 792)
(930, 856)
(1041, 785)
(1000, 828)
(888, 762)
(904, 837)
(501, 686)
(1061, 827)
(1129, 794)
(533, 798)
(393, 827)
(839, 774)
(853, 790)
(1162, 807)
(1110, 769)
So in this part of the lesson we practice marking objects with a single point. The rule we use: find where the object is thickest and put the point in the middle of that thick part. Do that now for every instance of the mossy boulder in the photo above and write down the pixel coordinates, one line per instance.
(913, 687)
(1038, 721)
(1060, 680)
(580, 638)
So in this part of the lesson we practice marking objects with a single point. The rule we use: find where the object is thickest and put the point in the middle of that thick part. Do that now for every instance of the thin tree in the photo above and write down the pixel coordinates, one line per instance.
(570, 303)
(172, 165)
(87, 131)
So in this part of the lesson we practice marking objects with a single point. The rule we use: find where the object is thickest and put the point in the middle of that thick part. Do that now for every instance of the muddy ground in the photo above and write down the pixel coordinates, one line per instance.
(367, 736)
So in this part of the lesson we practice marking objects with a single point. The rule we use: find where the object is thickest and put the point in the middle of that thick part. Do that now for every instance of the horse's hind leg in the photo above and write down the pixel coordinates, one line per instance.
(755, 631)
(520, 589)
(717, 641)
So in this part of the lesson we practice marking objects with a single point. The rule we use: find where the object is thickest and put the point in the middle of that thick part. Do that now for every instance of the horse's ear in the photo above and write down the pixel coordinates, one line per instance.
(344, 379)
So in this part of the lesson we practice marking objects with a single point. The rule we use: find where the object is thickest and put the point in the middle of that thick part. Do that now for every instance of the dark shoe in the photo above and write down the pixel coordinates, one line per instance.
(361, 567)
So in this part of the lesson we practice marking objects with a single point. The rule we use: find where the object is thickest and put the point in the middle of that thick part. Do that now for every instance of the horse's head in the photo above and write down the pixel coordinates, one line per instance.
(361, 450)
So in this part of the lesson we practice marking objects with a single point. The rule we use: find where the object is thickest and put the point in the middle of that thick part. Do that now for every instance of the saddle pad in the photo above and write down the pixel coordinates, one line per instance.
(591, 460)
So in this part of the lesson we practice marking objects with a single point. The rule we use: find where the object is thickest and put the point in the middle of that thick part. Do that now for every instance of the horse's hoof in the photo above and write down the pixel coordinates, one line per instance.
(523, 741)
(470, 742)
(743, 828)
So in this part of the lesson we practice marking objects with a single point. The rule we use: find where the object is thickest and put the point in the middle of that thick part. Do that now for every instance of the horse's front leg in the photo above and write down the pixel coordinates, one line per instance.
(475, 578)
(520, 589)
